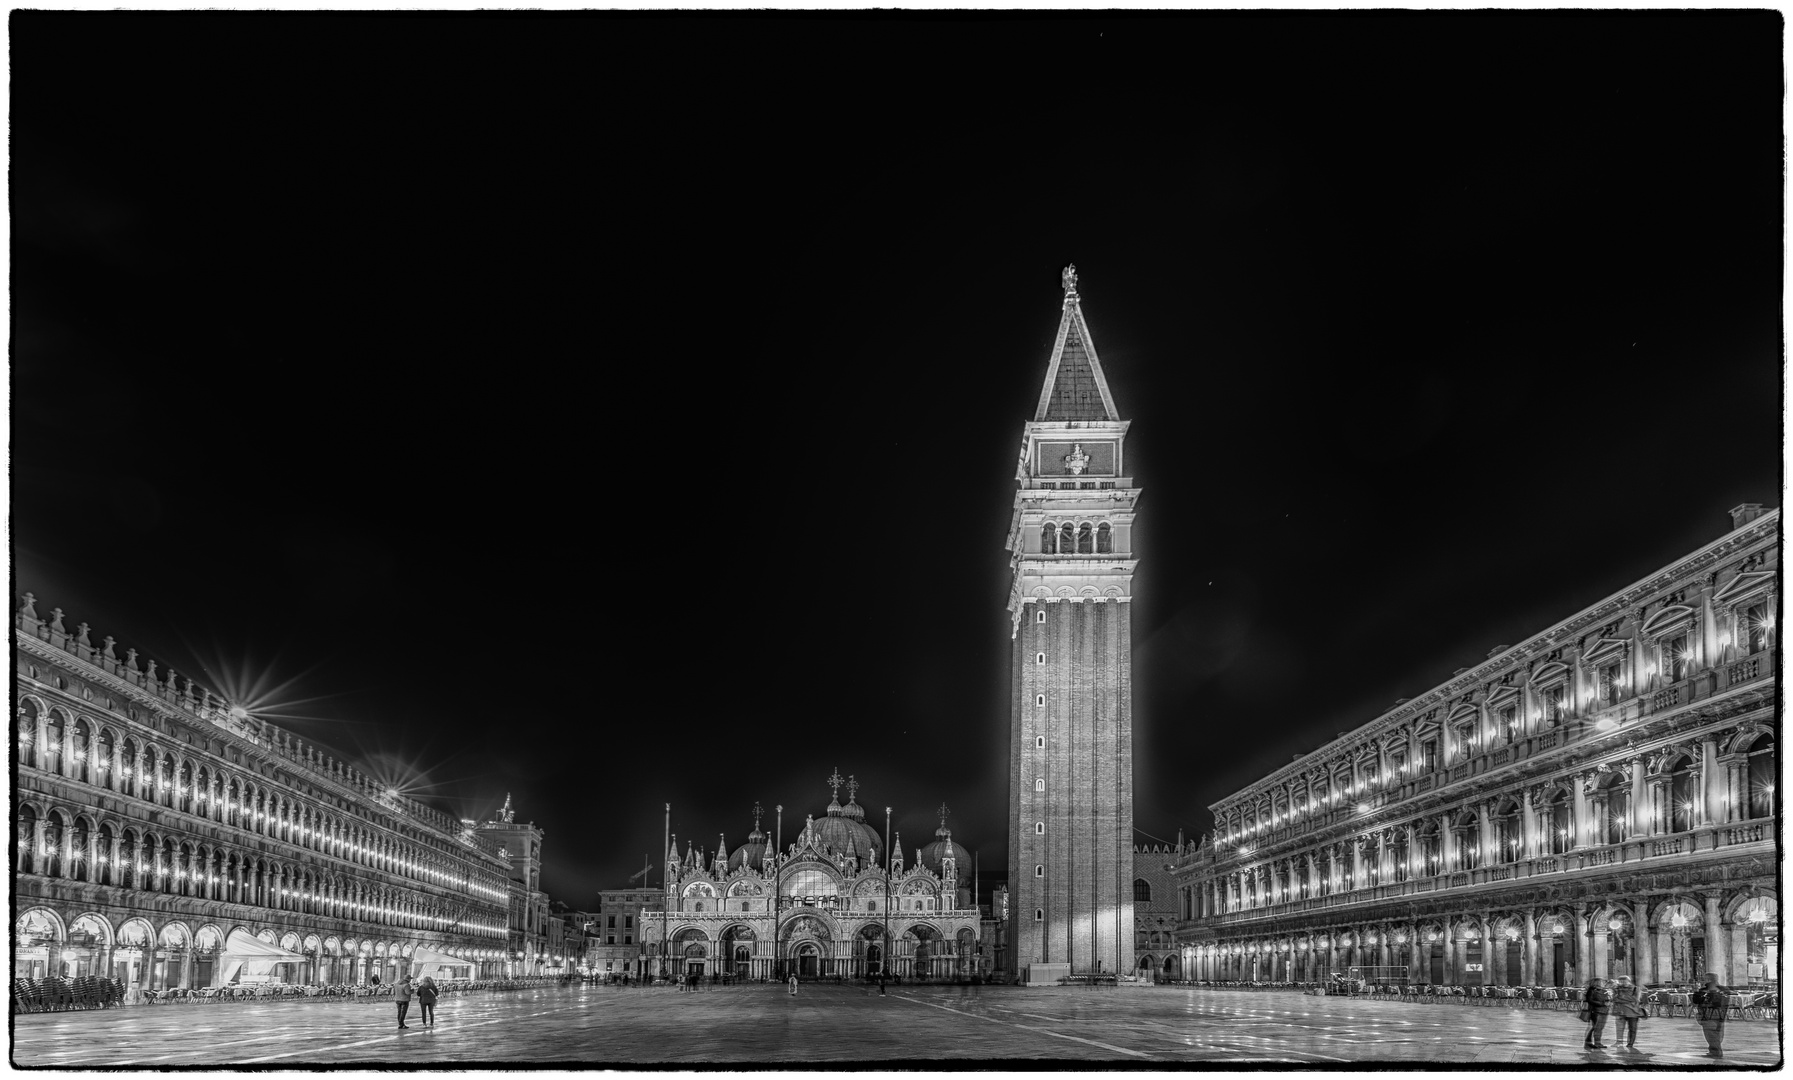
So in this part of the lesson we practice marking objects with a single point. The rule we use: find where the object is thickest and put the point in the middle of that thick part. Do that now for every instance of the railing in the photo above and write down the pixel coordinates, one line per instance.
(1745, 834)
(1663, 699)
(1667, 847)
(1503, 755)
(1743, 671)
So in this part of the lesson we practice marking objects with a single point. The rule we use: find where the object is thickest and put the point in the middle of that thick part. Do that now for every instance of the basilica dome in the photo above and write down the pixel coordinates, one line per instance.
(934, 855)
(844, 832)
(752, 854)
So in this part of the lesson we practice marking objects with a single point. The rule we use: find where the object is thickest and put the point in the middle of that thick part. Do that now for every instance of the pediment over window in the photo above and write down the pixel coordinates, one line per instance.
(1549, 673)
(1605, 649)
(1743, 584)
(1667, 619)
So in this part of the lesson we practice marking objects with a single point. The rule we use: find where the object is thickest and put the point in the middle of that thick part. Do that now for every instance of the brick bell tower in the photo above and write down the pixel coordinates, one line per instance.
(1071, 719)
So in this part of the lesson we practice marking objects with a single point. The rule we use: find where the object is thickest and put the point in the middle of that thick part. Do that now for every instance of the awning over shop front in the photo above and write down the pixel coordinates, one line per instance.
(247, 956)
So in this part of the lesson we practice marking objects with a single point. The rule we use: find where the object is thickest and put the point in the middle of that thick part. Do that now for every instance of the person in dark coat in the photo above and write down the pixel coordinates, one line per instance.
(1599, 1007)
(401, 993)
(1626, 1011)
(426, 1001)
(1714, 1002)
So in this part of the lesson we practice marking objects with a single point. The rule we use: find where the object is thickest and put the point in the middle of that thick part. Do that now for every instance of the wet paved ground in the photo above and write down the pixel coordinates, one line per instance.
(765, 1025)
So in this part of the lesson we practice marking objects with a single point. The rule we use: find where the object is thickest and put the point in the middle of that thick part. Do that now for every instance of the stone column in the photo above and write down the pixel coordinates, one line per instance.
(1707, 810)
(1716, 958)
(1446, 845)
(1529, 952)
(1490, 844)
(1643, 951)
(1578, 827)
(1598, 954)
(1638, 824)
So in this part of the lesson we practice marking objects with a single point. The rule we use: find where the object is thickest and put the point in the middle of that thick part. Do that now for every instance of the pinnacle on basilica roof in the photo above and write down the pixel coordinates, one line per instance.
(1075, 387)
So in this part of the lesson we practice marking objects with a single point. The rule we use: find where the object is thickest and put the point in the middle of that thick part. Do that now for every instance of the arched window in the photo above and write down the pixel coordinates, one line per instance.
(1682, 791)
(1677, 658)
(698, 906)
(53, 742)
(186, 788)
(79, 839)
(1755, 627)
(1399, 856)
(127, 765)
(82, 753)
(104, 872)
(103, 756)
(53, 833)
(1763, 767)
(1561, 838)
(1039, 828)
(1469, 850)
(1039, 783)
(1086, 543)
(128, 877)
(1510, 834)
(1617, 809)
(1142, 891)
(1067, 538)
(1039, 870)
(27, 733)
(1104, 539)
(1049, 539)
(1039, 914)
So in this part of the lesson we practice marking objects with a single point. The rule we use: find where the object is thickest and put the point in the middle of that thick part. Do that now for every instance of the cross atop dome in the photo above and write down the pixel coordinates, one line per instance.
(944, 812)
(758, 810)
(852, 788)
(834, 783)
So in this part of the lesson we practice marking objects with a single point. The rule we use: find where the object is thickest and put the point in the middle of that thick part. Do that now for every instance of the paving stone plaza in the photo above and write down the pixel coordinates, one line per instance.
(764, 1025)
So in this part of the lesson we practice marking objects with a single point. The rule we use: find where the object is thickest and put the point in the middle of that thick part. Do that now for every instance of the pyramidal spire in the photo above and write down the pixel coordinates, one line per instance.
(1075, 387)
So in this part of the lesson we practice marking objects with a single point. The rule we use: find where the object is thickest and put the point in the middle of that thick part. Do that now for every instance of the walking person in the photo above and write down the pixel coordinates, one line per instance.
(1596, 1008)
(1626, 1011)
(426, 1001)
(1714, 1002)
(401, 993)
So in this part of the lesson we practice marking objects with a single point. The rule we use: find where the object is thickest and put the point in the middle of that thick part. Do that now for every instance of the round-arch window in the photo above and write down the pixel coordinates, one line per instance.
(1039, 828)
(1039, 658)
(1039, 914)
(1039, 870)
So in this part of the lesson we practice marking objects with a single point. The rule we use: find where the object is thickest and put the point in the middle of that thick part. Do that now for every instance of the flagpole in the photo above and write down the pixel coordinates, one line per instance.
(885, 966)
(666, 897)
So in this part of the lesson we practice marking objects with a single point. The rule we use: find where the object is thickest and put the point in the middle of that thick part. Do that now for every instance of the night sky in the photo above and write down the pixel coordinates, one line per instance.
(623, 410)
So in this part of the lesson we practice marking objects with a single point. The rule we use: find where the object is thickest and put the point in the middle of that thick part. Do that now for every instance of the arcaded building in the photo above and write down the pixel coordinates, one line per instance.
(1071, 715)
(1598, 799)
(829, 904)
(170, 839)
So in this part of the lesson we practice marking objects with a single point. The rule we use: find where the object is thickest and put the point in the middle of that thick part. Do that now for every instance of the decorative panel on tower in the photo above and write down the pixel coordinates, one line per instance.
(1071, 725)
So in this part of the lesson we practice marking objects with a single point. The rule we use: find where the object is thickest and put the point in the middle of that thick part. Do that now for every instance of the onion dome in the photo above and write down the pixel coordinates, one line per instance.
(841, 831)
(934, 855)
(752, 854)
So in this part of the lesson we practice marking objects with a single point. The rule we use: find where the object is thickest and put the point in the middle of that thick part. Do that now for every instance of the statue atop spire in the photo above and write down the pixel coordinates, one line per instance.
(505, 813)
(1068, 277)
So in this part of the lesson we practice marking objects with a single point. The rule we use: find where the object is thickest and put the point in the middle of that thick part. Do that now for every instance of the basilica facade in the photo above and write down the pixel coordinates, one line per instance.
(832, 903)
(1597, 800)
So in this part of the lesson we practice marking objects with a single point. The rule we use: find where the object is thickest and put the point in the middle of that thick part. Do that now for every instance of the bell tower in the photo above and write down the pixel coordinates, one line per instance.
(1071, 719)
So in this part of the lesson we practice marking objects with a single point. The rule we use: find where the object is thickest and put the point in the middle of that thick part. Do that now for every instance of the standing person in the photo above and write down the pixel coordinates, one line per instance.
(793, 985)
(401, 993)
(1597, 1008)
(1626, 1012)
(1714, 1002)
(426, 1001)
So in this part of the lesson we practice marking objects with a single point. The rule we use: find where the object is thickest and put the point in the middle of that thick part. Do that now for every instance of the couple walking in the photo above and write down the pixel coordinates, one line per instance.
(1622, 1002)
(426, 999)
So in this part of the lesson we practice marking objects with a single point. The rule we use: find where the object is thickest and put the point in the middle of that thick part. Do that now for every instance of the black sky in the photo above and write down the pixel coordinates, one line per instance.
(622, 410)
